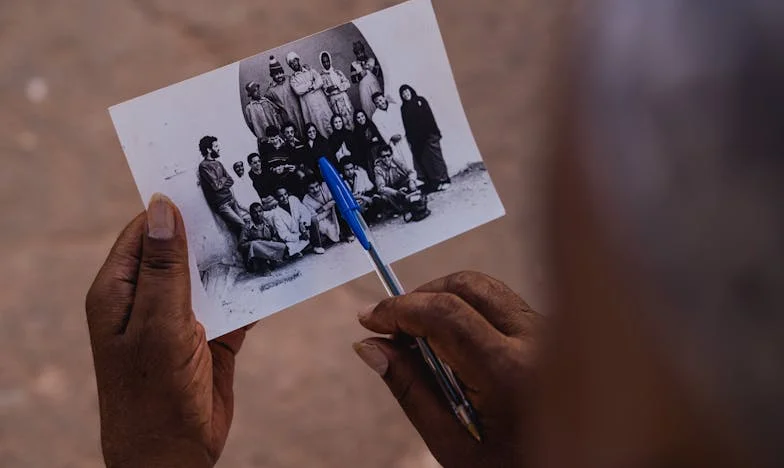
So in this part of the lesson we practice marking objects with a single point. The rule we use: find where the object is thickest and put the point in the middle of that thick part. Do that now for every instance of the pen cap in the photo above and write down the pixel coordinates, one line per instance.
(345, 201)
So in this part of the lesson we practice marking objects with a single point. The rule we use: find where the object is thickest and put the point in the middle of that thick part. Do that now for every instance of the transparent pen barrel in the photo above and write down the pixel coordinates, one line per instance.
(444, 374)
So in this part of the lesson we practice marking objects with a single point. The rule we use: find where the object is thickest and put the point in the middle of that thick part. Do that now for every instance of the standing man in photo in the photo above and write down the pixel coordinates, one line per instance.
(261, 111)
(366, 72)
(307, 83)
(389, 122)
(336, 87)
(216, 185)
(281, 93)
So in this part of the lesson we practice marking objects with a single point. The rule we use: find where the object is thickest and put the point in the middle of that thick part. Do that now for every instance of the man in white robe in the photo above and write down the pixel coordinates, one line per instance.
(243, 189)
(319, 200)
(305, 218)
(389, 121)
(288, 229)
(308, 85)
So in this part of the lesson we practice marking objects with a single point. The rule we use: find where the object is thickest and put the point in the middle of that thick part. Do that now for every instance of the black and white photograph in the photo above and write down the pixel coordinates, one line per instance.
(237, 149)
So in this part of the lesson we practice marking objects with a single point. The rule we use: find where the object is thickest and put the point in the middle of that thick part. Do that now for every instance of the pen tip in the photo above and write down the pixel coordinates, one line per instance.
(474, 431)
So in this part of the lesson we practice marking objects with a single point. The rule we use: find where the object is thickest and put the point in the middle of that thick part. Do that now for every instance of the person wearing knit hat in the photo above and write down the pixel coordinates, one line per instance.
(281, 93)
(308, 85)
(275, 66)
(262, 112)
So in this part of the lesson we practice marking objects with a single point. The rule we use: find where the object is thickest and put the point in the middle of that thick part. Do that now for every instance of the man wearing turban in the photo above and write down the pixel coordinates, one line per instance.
(307, 83)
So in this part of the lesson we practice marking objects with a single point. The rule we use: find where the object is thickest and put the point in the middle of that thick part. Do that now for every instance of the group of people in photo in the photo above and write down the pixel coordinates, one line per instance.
(279, 207)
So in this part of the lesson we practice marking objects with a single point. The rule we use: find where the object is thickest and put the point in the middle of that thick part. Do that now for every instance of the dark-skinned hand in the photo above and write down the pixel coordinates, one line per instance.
(488, 335)
(165, 393)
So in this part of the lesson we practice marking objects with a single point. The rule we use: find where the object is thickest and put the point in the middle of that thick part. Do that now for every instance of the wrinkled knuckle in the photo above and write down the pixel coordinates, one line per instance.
(462, 283)
(386, 306)
(444, 306)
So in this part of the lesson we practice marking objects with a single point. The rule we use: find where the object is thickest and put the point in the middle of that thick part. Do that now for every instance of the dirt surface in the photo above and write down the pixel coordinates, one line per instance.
(303, 398)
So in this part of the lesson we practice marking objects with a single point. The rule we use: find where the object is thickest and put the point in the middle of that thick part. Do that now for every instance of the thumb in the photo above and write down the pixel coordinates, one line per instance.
(408, 378)
(163, 292)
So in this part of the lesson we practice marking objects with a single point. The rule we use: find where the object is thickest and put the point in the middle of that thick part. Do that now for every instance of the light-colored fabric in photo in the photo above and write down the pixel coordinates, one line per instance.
(328, 220)
(307, 83)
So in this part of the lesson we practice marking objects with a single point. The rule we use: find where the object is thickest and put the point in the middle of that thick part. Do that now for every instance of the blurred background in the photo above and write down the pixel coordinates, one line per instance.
(303, 398)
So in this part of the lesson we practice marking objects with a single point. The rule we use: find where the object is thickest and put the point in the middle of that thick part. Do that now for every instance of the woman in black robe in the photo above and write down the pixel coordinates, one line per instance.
(424, 137)
(316, 146)
(341, 142)
(367, 140)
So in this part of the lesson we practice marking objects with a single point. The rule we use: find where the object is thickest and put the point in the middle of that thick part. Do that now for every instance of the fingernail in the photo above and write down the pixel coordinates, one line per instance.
(373, 357)
(364, 314)
(160, 218)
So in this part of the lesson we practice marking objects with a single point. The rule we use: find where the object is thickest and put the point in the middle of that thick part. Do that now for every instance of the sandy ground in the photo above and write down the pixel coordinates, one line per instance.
(303, 398)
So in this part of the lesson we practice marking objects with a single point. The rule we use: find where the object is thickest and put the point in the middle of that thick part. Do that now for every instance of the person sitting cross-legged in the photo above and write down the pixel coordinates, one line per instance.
(370, 202)
(302, 216)
(258, 243)
(289, 230)
(331, 225)
(394, 179)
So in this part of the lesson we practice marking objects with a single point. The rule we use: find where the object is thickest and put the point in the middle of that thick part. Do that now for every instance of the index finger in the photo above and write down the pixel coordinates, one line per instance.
(497, 303)
(457, 333)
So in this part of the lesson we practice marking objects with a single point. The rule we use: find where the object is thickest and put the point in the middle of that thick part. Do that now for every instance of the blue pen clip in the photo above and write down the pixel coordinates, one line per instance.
(347, 204)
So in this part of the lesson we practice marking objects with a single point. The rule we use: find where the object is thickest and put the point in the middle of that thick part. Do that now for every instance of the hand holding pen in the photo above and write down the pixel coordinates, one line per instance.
(477, 326)
(486, 333)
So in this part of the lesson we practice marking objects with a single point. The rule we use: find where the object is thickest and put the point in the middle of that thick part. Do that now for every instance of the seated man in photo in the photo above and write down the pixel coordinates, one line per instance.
(302, 216)
(289, 230)
(363, 190)
(279, 169)
(257, 243)
(394, 180)
(319, 200)
(243, 189)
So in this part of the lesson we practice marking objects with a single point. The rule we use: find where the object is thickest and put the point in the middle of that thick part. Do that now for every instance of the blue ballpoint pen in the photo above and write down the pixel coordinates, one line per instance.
(350, 211)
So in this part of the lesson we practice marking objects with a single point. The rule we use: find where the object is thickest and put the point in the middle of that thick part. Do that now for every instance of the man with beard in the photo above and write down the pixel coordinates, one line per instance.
(216, 185)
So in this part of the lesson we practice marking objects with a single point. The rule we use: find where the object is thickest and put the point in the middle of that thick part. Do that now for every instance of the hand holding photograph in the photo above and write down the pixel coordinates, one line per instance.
(237, 150)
